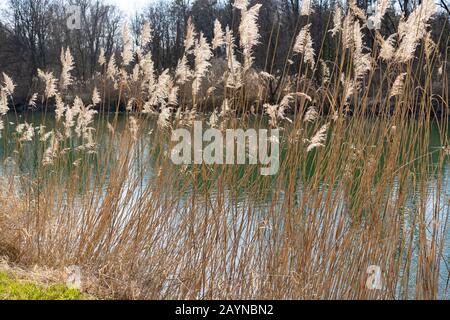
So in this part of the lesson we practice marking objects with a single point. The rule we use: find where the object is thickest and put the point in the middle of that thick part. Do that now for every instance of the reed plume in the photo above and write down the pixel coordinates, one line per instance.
(249, 34)
(127, 53)
(50, 83)
(9, 84)
(412, 30)
(306, 8)
(202, 54)
(146, 34)
(218, 39)
(304, 45)
(67, 66)
(397, 87)
(318, 139)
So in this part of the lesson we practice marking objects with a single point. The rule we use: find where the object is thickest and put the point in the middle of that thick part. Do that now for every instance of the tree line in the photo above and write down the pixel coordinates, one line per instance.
(33, 32)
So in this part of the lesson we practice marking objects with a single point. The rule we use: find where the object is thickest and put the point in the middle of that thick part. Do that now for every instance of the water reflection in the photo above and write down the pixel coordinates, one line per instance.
(152, 147)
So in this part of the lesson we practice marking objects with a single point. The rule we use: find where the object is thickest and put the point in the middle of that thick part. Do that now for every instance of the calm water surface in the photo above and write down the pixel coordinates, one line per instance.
(27, 165)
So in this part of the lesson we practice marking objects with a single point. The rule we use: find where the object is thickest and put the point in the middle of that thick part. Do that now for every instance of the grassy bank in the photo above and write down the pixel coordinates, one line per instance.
(12, 287)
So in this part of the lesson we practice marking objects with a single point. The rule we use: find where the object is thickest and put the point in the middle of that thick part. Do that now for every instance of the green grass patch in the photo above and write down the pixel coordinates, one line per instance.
(13, 288)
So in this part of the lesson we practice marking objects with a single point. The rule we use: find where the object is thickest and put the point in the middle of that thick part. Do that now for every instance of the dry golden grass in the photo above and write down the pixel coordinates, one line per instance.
(145, 228)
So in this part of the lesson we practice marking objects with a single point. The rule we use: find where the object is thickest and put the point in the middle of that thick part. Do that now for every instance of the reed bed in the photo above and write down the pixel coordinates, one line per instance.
(98, 190)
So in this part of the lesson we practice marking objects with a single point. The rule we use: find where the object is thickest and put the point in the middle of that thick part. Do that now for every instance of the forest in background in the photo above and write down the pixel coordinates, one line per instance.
(33, 33)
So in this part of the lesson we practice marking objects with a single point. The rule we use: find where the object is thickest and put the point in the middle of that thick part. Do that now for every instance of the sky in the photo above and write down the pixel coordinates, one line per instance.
(130, 6)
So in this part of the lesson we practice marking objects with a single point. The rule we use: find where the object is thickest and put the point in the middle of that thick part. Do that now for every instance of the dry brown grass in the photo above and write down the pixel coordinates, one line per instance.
(145, 228)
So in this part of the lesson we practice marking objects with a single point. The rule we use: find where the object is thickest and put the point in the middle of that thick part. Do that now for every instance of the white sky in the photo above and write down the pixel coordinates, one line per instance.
(130, 6)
